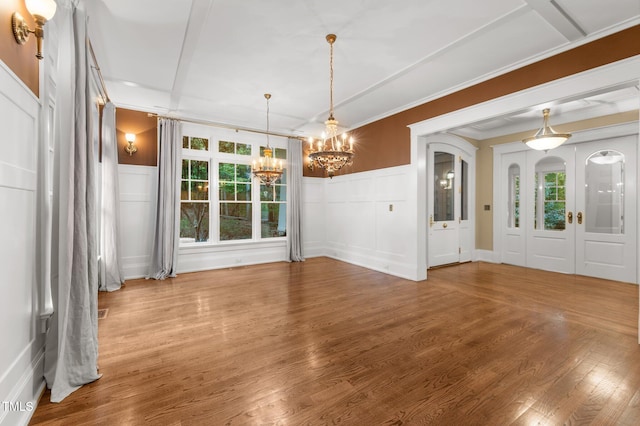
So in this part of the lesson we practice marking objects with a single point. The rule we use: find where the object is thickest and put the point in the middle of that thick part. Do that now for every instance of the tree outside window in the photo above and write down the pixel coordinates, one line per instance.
(235, 201)
(194, 196)
(553, 197)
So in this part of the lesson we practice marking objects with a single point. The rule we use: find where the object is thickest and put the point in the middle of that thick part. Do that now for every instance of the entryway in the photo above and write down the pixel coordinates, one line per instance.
(571, 209)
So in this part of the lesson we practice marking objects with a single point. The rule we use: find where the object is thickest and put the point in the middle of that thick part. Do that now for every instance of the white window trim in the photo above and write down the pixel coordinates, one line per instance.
(214, 157)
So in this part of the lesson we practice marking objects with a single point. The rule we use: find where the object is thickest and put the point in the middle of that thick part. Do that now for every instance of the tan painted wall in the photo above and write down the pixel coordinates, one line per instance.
(20, 59)
(146, 130)
(484, 168)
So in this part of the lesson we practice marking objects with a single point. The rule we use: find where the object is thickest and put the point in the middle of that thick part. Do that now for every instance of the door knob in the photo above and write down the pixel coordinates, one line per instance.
(570, 217)
(579, 217)
(444, 225)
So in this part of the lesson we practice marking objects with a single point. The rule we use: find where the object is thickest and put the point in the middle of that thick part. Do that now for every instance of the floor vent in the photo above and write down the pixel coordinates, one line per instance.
(102, 313)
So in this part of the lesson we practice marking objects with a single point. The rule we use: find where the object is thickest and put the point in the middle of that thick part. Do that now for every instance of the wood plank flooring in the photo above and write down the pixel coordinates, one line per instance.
(325, 342)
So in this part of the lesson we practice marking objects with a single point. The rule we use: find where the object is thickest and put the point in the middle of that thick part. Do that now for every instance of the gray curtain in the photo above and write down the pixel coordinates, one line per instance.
(111, 275)
(71, 351)
(294, 224)
(166, 235)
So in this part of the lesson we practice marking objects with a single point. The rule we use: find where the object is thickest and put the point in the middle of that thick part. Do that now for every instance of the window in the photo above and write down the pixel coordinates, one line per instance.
(240, 209)
(273, 209)
(554, 200)
(194, 196)
(234, 148)
(235, 201)
(200, 144)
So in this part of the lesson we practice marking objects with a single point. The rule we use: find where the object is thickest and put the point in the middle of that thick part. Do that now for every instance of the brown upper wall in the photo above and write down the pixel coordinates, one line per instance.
(387, 142)
(21, 59)
(145, 129)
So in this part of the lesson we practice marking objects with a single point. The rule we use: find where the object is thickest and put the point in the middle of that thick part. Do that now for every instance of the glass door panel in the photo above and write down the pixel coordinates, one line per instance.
(604, 192)
(444, 184)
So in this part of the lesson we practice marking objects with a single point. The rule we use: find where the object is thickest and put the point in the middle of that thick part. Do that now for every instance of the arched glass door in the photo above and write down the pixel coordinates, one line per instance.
(551, 200)
(606, 215)
(450, 237)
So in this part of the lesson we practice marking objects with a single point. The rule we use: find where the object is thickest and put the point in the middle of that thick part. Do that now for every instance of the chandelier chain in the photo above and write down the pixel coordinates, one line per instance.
(331, 82)
(268, 119)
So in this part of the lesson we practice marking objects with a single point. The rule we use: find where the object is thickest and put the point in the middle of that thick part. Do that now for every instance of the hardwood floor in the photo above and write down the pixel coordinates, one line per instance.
(325, 342)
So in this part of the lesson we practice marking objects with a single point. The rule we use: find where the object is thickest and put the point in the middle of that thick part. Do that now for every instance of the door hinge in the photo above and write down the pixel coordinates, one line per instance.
(459, 250)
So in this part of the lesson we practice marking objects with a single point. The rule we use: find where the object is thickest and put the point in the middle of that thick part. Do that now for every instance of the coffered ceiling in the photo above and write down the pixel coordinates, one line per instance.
(214, 59)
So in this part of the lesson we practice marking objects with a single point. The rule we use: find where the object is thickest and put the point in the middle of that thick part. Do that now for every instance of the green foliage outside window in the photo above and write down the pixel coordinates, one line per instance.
(234, 148)
(200, 144)
(235, 201)
(554, 200)
(194, 209)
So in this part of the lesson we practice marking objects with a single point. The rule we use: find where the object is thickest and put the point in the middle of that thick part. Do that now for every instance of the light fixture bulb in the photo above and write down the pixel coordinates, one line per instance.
(130, 137)
(43, 8)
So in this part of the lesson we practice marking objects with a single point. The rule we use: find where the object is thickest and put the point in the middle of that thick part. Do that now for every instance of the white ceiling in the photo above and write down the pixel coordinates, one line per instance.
(214, 59)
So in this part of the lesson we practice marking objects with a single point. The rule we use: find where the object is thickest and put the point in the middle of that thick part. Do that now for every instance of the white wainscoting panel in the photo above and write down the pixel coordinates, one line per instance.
(137, 199)
(365, 220)
(313, 217)
(21, 367)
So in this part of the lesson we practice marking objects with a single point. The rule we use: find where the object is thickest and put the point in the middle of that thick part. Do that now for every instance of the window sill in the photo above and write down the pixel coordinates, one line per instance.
(231, 245)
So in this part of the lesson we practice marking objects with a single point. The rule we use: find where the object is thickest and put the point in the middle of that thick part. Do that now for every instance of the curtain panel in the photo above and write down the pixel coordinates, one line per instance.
(294, 222)
(71, 350)
(111, 274)
(166, 236)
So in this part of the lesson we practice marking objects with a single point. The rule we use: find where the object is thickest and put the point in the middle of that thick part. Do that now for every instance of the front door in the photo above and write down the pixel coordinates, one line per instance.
(572, 209)
(605, 220)
(550, 196)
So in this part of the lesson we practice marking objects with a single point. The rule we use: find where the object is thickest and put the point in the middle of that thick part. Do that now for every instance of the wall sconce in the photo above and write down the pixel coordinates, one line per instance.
(131, 148)
(42, 11)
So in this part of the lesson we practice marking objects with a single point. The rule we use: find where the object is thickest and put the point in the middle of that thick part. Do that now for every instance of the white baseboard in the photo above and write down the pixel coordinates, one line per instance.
(484, 256)
(19, 404)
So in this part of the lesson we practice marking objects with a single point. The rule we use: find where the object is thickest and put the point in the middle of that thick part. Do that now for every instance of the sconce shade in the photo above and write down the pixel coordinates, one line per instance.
(130, 148)
(44, 8)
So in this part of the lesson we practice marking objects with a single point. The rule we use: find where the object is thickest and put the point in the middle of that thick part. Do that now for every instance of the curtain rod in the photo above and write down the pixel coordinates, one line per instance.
(225, 126)
(97, 68)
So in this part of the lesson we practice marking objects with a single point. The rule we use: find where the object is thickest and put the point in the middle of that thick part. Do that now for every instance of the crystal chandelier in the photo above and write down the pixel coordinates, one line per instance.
(332, 152)
(268, 169)
(546, 139)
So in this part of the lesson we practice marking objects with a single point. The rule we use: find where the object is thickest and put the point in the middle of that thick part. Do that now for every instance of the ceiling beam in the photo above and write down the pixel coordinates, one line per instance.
(198, 15)
(558, 18)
